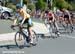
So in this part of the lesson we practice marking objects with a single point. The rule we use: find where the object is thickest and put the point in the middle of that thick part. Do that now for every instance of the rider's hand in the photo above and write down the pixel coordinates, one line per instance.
(12, 26)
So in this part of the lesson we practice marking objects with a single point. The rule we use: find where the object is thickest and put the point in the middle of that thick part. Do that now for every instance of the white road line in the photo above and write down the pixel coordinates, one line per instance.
(7, 36)
(67, 36)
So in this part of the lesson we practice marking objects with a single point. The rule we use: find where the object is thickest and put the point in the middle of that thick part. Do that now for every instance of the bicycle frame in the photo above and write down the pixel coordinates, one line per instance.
(21, 30)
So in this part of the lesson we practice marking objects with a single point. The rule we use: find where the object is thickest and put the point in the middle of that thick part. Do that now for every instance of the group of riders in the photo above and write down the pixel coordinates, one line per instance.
(23, 17)
(62, 16)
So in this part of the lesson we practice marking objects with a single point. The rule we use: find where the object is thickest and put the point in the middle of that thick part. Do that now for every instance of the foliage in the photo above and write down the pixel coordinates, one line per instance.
(40, 5)
(31, 6)
(73, 5)
(61, 4)
(10, 5)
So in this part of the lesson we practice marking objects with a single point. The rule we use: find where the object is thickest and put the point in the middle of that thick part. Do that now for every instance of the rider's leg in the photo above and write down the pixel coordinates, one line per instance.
(64, 22)
(30, 34)
(30, 30)
(73, 21)
(60, 20)
(71, 24)
(55, 25)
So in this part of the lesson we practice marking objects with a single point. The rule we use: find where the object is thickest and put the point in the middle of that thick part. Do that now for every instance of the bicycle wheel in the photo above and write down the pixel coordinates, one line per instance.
(68, 29)
(19, 39)
(35, 37)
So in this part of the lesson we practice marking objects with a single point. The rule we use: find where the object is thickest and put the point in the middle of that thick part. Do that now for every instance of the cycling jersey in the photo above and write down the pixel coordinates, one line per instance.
(66, 14)
(23, 13)
(50, 15)
(60, 14)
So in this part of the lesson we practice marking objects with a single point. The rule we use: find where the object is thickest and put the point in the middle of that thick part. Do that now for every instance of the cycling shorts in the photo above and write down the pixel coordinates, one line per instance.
(51, 18)
(27, 23)
(66, 16)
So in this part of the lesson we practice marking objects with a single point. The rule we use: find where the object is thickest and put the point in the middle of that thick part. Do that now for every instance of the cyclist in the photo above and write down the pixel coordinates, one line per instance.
(23, 17)
(59, 15)
(67, 17)
(52, 18)
(72, 18)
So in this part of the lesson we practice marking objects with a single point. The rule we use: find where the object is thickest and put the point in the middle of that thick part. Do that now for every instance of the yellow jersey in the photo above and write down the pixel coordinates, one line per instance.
(24, 14)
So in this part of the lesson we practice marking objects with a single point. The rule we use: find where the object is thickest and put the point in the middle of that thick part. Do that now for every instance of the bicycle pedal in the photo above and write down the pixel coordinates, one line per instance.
(28, 39)
(33, 44)
(71, 31)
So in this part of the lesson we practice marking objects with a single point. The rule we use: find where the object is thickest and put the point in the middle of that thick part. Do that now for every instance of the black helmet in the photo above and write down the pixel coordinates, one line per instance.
(18, 6)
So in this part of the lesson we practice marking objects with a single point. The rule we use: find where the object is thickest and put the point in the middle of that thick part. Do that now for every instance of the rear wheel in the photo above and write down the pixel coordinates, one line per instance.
(35, 37)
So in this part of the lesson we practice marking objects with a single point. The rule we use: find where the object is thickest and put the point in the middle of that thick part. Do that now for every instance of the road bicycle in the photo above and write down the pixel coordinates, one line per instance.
(22, 36)
(52, 28)
(67, 27)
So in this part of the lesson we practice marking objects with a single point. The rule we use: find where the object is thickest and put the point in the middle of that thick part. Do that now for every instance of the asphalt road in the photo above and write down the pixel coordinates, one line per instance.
(60, 45)
(5, 26)
(65, 44)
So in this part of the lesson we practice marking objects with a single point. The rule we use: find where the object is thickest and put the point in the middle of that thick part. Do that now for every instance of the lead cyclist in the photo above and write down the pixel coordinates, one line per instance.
(23, 17)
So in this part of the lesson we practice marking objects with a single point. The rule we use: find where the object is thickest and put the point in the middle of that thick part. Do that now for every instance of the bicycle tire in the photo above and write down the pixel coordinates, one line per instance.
(19, 39)
(35, 37)
(68, 29)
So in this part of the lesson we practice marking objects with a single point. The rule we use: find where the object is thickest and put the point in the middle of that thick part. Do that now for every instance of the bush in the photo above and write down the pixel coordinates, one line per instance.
(61, 4)
(73, 5)
(10, 5)
(40, 5)
(31, 7)
(70, 7)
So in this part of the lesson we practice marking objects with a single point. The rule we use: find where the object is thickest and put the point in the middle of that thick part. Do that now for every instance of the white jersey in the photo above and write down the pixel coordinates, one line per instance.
(66, 12)
(60, 14)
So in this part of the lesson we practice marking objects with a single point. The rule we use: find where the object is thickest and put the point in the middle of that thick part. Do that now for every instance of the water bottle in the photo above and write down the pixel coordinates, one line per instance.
(25, 32)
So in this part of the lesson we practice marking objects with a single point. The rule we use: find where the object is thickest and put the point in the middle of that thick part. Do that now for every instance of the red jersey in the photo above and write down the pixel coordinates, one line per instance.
(50, 15)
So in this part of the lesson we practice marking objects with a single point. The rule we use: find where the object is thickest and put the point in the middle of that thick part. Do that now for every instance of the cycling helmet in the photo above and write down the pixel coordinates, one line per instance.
(18, 6)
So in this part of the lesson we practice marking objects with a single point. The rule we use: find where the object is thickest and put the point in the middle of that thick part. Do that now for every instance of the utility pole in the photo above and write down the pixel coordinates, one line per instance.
(21, 3)
(47, 4)
(51, 2)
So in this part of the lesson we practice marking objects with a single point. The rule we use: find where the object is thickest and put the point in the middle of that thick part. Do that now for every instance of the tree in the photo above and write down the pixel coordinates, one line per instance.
(31, 7)
(26, 1)
(40, 5)
(61, 4)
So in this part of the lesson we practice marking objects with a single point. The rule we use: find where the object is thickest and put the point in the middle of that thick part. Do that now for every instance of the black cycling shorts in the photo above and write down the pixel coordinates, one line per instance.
(28, 21)
(51, 18)
(66, 16)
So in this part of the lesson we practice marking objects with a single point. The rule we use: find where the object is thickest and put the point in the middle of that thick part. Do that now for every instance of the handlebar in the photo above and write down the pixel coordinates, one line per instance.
(12, 26)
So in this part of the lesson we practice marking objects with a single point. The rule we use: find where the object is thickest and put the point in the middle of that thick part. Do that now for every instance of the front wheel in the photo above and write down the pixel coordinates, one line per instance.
(19, 39)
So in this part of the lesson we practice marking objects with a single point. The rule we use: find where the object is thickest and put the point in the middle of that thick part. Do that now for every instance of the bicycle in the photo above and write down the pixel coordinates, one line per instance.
(22, 37)
(52, 28)
(67, 27)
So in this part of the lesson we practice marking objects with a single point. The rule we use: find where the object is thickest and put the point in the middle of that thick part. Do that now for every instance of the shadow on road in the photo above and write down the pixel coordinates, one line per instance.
(43, 36)
(8, 46)
(14, 46)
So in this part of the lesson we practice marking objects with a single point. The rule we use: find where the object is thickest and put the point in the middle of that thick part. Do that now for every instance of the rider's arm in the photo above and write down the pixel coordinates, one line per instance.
(24, 18)
(53, 17)
(22, 21)
(15, 20)
(69, 15)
